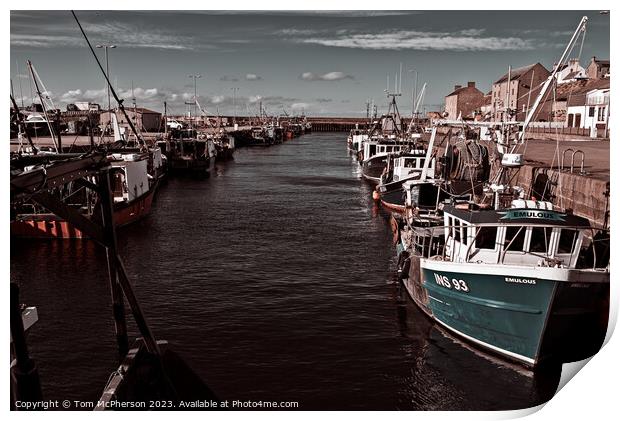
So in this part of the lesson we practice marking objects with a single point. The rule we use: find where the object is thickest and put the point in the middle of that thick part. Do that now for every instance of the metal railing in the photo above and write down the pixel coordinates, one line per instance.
(572, 160)
(435, 247)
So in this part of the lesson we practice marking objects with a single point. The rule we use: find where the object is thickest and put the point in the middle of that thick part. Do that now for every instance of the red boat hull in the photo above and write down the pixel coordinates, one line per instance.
(50, 226)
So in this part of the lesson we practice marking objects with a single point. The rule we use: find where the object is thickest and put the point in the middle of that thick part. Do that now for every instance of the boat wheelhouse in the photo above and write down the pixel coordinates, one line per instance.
(400, 169)
(375, 156)
(356, 139)
(133, 187)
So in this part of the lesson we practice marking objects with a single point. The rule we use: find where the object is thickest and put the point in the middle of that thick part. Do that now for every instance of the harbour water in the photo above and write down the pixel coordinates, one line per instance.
(275, 279)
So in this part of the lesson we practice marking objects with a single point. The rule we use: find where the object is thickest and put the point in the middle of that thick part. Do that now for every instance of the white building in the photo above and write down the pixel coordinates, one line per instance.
(591, 113)
(571, 72)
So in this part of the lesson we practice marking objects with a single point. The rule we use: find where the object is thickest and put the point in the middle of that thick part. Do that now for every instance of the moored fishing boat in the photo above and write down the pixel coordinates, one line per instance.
(385, 138)
(375, 157)
(134, 178)
(414, 164)
(224, 145)
(512, 279)
(190, 153)
(356, 138)
(402, 168)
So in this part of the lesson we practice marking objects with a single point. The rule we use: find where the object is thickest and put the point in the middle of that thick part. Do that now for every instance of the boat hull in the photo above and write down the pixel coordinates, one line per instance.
(189, 165)
(393, 200)
(520, 314)
(50, 226)
(373, 168)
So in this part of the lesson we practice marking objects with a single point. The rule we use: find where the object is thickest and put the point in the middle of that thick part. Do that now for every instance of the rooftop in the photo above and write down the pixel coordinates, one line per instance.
(518, 72)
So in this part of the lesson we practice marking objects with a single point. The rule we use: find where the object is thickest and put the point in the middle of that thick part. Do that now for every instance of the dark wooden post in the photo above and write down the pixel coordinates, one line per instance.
(57, 128)
(118, 303)
(25, 376)
(91, 135)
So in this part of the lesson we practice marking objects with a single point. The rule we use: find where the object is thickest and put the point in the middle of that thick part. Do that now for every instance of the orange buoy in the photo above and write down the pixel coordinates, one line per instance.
(376, 195)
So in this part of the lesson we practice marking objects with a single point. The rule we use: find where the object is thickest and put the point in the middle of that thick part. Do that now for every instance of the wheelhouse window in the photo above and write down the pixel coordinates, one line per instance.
(486, 238)
(457, 230)
(465, 232)
(568, 237)
(540, 239)
(515, 237)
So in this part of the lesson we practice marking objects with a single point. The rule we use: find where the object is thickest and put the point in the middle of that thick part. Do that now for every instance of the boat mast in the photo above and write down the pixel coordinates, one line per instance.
(35, 78)
(580, 28)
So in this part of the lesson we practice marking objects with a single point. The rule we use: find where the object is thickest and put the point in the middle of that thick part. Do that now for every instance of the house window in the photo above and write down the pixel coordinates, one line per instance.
(601, 114)
(591, 112)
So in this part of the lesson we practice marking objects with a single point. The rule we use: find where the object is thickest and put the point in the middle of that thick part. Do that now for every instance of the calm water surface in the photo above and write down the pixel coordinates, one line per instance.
(275, 280)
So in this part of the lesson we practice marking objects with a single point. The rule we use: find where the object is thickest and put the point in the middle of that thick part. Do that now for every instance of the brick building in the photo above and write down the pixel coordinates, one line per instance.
(521, 91)
(464, 101)
(598, 69)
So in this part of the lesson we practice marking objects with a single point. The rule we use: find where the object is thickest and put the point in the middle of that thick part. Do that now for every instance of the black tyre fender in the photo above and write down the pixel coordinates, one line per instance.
(403, 265)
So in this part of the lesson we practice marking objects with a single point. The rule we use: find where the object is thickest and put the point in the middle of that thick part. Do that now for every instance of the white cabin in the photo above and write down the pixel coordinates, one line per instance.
(528, 234)
(130, 178)
(412, 166)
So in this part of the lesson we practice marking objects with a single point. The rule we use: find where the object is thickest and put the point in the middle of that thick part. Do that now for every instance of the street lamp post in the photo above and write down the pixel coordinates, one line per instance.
(415, 91)
(195, 93)
(234, 89)
(107, 73)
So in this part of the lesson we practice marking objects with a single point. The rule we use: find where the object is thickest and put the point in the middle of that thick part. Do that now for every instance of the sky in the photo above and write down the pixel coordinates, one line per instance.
(318, 62)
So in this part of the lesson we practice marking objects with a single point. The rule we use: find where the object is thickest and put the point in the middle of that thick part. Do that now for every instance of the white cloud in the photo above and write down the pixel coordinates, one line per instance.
(465, 40)
(472, 32)
(330, 77)
(252, 77)
(217, 99)
(252, 99)
(300, 106)
(126, 36)
(70, 96)
(43, 41)
(295, 31)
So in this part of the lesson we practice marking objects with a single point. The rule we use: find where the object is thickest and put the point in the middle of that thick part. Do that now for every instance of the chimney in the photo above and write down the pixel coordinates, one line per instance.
(457, 87)
(471, 84)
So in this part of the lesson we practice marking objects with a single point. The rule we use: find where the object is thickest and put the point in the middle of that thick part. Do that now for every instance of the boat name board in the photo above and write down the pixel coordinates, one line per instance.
(532, 214)
(520, 281)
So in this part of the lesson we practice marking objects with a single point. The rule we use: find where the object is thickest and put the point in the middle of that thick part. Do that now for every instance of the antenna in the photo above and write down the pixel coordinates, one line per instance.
(400, 79)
